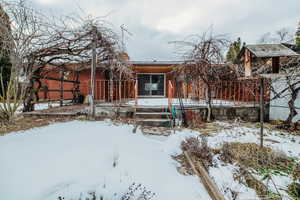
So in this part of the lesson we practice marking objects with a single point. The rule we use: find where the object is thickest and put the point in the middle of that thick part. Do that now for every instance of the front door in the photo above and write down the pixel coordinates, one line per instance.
(151, 85)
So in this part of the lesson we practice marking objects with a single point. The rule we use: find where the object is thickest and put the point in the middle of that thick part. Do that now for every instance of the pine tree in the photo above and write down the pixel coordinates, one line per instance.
(5, 65)
(234, 50)
(298, 35)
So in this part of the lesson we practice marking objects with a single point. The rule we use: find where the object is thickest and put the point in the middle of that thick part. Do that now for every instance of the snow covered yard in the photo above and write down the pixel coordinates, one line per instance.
(78, 158)
(75, 158)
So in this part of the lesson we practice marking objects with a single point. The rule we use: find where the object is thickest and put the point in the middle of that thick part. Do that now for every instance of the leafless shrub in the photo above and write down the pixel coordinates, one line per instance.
(134, 192)
(193, 119)
(199, 148)
(138, 192)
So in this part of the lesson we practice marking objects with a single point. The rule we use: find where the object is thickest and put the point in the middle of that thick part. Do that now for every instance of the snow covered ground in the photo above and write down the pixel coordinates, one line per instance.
(72, 159)
(223, 173)
(75, 158)
(164, 102)
(39, 106)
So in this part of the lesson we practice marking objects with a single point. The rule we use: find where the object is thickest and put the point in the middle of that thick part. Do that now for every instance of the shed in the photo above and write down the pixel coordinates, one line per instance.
(264, 51)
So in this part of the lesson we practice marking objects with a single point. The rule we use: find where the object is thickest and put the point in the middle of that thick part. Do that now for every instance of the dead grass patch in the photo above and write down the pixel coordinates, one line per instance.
(246, 178)
(209, 129)
(293, 128)
(29, 122)
(294, 190)
(251, 155)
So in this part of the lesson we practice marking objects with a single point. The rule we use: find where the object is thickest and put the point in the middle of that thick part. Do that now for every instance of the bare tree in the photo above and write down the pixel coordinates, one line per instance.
(201, 53)
(282, 35)
(55, 43)
(287, 87)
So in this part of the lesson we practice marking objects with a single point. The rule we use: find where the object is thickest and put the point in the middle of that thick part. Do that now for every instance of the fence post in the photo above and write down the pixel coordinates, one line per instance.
(261, 112)
(93, 75)
(61, 88)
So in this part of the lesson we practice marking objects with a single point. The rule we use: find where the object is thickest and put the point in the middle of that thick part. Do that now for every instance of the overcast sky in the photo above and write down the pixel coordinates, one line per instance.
(154, 23)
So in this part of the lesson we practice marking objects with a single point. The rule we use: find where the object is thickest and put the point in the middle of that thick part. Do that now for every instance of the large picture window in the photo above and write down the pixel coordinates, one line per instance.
(151, 85)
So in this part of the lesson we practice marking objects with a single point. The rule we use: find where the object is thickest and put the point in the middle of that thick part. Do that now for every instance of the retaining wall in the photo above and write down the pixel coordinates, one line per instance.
(249, 114)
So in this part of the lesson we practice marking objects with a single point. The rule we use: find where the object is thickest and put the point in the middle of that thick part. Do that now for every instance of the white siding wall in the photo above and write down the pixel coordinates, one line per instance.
(281, 113)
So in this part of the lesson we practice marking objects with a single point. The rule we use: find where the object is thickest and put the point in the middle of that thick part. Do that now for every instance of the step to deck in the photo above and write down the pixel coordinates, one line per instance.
(151, 109)
(153, 115)
(154, 122)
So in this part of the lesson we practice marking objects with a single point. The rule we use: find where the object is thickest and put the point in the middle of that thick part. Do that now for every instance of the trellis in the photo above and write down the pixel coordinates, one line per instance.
(62, 80)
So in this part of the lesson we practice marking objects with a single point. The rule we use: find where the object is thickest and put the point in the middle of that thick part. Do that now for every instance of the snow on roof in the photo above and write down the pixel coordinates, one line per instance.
(268, 50)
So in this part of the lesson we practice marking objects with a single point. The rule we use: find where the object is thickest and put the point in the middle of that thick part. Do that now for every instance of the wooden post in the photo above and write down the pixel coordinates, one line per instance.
(61, 101)
(261, 112)
(247, 63)
(275, 65)
(93, 75)
(76, 86)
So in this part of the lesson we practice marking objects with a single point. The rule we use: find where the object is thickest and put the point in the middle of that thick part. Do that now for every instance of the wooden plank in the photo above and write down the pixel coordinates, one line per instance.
(208, 183)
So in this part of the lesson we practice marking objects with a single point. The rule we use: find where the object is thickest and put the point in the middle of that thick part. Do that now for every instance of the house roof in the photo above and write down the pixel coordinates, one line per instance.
(293, 47)
(268, 50)
(155, 63)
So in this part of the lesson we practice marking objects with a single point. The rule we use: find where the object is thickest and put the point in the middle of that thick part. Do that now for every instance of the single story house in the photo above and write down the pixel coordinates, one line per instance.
(152, 78)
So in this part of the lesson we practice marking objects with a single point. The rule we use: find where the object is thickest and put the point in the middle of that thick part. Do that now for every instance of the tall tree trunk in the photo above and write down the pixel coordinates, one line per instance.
(291, 103)
(120, 88)
(29, 97)
(111, 86)
(208, 102)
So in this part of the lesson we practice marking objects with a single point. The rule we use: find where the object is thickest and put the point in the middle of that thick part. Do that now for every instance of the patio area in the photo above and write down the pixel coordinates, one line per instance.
(163, 102)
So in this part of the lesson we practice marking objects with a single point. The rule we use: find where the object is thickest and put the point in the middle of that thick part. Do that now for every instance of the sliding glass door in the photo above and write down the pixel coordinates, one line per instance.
(151, 85)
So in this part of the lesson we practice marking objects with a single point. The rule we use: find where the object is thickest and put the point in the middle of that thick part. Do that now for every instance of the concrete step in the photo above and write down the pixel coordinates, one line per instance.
(153, 115)
(151, 109)
(154, 122)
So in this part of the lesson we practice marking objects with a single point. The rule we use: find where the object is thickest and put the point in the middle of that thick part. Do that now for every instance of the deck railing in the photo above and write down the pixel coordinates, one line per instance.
(111, 91)
(170, 95)
(136, 94)
(237, 92)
